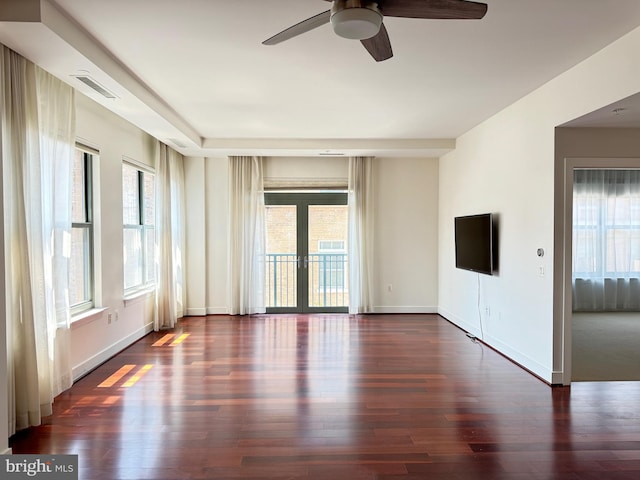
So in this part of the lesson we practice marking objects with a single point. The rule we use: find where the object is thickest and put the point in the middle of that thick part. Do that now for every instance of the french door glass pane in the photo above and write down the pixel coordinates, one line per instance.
(281, 269)
(327, 256)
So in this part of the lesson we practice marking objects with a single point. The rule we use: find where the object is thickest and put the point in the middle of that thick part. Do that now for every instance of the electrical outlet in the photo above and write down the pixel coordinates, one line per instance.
(109, 318)
(390, 288)
(541, 271)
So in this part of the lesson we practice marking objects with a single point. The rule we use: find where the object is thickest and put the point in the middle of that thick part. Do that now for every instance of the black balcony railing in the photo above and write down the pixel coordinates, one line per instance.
(327, 273)
(281, 280)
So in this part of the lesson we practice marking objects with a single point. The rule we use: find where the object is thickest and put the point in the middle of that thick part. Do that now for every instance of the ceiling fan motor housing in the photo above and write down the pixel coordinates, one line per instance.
(356, 19)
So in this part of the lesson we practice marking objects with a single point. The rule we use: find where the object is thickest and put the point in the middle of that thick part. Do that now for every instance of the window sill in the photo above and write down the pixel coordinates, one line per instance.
(138, 296)
(87, 316)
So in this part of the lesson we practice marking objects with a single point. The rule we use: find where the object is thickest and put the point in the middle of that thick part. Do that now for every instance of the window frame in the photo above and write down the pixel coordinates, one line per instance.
(88, 157)
(144, 228)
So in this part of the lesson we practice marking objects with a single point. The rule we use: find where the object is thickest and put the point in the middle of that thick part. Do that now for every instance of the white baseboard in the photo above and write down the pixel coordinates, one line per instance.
(467, 327)
(217, 311)
(521, 359)
(99, 358)
(200, 312)
(516, 356)
(404, 309)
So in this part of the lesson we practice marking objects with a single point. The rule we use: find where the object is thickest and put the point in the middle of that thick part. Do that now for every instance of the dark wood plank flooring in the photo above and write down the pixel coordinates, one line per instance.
(334, 397)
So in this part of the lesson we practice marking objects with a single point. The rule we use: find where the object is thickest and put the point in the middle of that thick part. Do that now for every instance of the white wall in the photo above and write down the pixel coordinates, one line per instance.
(491, 172)
(406, 227)
(506, 166)
(93, 339)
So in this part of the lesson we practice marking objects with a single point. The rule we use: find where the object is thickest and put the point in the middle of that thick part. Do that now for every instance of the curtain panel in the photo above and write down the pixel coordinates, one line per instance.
(38, 138)
(246, 236)
(361, 224)
(606, 240)
(170, 241)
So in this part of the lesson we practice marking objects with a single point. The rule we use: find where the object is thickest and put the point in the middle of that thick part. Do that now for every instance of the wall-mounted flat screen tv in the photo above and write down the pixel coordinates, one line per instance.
(475, 243)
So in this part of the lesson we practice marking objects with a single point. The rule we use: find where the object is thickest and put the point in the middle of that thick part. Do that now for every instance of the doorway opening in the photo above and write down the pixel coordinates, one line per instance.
(574, 338)
(605, 274)
(306, 252)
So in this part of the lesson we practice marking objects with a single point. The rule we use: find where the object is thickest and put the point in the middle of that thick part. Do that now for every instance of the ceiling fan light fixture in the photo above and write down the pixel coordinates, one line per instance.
(356, 23)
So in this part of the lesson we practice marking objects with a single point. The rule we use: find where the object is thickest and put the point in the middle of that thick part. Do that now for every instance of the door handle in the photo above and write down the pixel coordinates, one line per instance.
(306, 261)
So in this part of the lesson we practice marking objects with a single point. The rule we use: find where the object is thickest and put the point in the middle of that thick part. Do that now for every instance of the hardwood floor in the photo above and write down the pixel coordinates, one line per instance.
(334, 397)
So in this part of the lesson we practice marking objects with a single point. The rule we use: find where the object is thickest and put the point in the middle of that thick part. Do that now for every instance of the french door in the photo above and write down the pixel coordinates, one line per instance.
(306, 252)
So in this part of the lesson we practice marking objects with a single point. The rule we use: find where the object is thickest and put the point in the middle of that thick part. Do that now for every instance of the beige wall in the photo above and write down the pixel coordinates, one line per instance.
(196, 235)
(305, 172)
(595, 142)
(406, 235)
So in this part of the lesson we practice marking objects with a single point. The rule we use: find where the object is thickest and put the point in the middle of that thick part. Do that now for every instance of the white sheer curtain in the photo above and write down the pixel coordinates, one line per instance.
(169, 237)
(38, 122)
(246, 236)
(606, 240)
(56, 113)
(360, 234)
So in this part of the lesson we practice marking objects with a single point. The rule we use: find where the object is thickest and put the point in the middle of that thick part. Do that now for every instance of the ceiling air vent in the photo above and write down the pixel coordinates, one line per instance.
(91, 83)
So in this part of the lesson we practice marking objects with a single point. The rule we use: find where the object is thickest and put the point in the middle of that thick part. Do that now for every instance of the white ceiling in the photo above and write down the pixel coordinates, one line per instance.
(196, 71)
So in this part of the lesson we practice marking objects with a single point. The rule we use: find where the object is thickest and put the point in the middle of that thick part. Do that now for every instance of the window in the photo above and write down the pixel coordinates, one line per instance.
(138, 213)
(332, 261)
(606, 240)
(606, 223)
(81, 260)
(331, 246)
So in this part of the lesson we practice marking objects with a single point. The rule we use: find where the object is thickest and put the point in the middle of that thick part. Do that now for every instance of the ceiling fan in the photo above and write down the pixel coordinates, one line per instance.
(362, 20)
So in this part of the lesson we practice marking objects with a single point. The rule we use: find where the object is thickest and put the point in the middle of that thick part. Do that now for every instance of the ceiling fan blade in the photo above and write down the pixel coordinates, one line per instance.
(300, 28)
(436, 9)
(379, 45)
